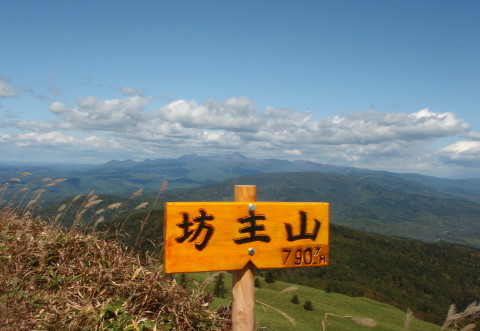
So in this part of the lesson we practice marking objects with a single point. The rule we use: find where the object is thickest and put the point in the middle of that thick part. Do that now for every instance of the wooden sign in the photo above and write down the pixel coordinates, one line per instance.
(214, 236)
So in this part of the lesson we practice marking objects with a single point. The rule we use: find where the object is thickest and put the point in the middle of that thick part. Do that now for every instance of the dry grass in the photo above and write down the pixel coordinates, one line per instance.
(52, 279)
(456, 320)
(363, 321)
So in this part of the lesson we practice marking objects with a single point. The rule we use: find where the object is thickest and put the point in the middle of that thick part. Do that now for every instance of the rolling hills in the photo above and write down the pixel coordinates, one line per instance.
(359, 203)
(426, 277)
(401, 205)
(405, 273)
(124, 177)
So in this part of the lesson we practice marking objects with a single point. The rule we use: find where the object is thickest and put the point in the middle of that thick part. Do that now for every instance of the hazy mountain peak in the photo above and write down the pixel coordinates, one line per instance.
(117, 163)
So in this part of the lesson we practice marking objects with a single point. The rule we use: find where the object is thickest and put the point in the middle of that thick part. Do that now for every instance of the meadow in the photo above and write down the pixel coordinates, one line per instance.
(331, 311)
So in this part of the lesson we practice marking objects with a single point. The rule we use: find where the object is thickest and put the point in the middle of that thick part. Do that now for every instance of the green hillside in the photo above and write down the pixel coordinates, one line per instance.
(361, 204)
(275, 311)
(57, 280)
(425, 277)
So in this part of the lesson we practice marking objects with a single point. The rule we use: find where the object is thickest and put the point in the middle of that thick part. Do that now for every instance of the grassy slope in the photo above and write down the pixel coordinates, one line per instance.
(425, 277)
(52, 263)
(387, 318)
(57, 280)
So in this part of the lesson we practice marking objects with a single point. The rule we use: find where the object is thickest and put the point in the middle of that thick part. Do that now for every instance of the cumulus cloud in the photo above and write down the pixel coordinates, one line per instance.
(59, 147)
(465, 153)
(4, 138)
(125, 126)
(369, 127)
(90, 113)
(235, 124)
(237, 114)
(32, 125)
(7, 91)
(44, 139)
(473, 135)
(57, 139)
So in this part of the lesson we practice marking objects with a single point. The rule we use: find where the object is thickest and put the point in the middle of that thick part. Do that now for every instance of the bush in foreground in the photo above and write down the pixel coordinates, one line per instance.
(51, 279)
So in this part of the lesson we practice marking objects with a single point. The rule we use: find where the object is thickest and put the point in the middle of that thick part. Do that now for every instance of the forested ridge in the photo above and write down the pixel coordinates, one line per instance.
(425, 277)
(408, 274)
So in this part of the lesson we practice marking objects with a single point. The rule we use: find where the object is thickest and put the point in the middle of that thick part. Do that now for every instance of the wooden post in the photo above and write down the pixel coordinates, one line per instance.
(243, 289)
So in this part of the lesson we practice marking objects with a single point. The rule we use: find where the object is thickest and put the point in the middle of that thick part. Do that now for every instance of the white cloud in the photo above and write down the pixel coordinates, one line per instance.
(369, 127)
(7, 91)
(100, 144)
(32, 125)
(235, 123)
(90, 113)
(292, 151)
(44, 139)
(237, 114)
(4, 138)
(57, 139)
(124, 128)
(465, 153)
(473, 135)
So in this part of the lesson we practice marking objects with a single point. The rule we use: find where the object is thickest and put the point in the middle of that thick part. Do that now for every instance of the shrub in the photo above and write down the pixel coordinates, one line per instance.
(269, 277)
(308, 305)
(257, 283)
(295, 299)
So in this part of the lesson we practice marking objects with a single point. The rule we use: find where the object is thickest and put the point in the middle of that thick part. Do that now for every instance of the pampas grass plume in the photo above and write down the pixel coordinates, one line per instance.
(114, 205)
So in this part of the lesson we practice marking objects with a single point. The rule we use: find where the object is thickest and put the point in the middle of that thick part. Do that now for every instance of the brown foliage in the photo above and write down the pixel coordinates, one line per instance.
(51, 279)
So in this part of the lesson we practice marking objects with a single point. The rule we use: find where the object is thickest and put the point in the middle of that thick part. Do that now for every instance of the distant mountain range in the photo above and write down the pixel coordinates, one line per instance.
(125, 177)
(402, 205)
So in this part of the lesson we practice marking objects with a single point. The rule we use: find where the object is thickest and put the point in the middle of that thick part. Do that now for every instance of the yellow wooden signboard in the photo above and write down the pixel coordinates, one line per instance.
(214, 236)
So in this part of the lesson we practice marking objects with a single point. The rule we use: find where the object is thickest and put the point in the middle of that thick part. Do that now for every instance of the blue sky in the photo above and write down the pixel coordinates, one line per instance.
(386, 85)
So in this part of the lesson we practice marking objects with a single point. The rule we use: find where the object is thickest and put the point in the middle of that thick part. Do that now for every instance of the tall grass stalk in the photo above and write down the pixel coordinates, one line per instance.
(455, 321)
(145, 220)
(363, 321)
(408, 319)
(117, 207)
(61, 213)
(284, 314)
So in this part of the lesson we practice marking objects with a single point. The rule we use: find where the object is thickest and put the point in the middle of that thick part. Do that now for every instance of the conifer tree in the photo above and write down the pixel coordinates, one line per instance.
(219, 290)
